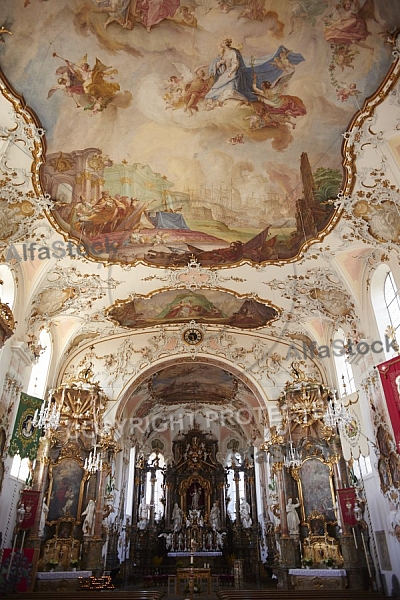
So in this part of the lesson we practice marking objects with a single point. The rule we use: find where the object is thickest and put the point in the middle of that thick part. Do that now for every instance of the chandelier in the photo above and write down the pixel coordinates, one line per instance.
(94, 462)
(292, 458)
(336, 415)
(48, 417)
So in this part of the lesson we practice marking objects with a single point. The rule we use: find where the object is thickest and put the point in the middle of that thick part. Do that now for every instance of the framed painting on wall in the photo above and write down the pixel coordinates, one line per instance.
(67, 480)
(315, 481)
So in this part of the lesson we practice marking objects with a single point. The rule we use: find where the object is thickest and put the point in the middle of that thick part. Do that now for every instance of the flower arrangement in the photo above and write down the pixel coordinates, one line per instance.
(329, 562)
(74, 563)
(196, 589)
(52, 564)
(307, 562)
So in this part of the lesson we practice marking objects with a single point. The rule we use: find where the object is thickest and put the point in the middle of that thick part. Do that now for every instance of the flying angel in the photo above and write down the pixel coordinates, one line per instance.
(187, 90)
(280, 107)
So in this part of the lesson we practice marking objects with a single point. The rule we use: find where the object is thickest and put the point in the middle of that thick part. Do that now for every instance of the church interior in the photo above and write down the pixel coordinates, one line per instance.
(199, 320)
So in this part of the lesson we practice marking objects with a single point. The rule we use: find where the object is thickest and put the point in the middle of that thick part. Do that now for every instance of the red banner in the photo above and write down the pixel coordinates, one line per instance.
(19, 576)
(30, 499)
(347, 499)
(390, 378)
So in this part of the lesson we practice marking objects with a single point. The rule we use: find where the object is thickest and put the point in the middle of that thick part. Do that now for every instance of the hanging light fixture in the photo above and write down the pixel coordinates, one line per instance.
(48, 417)
(336, 415)
(292, 458)
(93, 462)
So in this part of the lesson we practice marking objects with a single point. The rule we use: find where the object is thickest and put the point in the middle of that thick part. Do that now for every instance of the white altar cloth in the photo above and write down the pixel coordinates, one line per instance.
(318, 572)
(62, 574)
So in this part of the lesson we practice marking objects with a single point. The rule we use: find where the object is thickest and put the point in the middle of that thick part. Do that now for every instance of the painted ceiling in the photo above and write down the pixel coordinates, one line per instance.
(196, 166)
(191, 128)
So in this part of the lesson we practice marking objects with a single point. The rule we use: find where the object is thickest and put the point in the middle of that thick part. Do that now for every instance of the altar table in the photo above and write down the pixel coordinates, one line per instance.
(318, 579)
(198, 575)
(54, 581)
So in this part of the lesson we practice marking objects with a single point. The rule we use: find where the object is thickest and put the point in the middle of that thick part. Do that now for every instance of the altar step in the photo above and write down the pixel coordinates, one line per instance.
(274, 594)
(92, 595)
(218, 594)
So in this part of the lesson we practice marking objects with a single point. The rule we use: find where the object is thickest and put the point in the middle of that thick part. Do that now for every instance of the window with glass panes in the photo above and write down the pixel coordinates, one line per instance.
(392, 301)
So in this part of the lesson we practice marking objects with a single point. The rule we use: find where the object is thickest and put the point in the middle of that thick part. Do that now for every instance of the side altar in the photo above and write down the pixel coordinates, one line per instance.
(318, 579)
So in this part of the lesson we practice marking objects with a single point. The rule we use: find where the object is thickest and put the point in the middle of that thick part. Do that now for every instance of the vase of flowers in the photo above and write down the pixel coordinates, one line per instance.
(307, 563)
(329, 562)
(74, 564)
(52, 564)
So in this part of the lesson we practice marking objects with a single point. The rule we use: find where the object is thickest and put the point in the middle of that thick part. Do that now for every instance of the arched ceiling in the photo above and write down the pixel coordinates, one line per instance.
(150, 210)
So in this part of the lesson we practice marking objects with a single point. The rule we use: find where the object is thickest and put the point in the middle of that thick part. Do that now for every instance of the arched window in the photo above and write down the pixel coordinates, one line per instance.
(344, 371)
(386, 305)
(7, 287)
(392, 301)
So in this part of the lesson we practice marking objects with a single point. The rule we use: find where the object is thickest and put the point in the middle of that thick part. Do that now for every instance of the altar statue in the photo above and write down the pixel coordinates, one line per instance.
(292, 517)
(88, 523)
(196, 497)
(177, 517)
(215, 517)
(245, 514)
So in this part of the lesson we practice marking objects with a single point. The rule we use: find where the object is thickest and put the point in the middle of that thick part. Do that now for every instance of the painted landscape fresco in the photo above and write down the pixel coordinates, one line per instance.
(206, 128)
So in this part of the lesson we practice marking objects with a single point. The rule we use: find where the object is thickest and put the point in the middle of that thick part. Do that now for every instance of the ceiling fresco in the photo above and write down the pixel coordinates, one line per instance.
(206, 128)
(171, 307)
(193, 383)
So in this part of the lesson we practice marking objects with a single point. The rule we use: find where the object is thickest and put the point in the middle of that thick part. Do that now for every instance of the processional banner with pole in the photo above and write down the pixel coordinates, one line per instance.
(389, 372)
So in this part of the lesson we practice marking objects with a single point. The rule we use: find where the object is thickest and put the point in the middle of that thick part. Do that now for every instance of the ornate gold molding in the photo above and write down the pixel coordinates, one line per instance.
(7, 323)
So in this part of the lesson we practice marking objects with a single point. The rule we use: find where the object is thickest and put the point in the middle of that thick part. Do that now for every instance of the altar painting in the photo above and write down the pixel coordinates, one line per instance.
(66, 489)
(315, 483)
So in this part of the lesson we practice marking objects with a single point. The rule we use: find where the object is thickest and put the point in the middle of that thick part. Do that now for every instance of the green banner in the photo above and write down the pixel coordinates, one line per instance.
(25, 438)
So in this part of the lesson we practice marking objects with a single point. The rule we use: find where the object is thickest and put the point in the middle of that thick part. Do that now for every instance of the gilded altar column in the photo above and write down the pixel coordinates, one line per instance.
(92, 546)
(100, 493)
(252, 490)
(138, 488)
(39, 477)
(278, 471)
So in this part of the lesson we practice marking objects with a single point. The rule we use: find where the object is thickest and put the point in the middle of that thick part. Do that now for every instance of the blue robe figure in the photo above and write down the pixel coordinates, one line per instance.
(234, 75)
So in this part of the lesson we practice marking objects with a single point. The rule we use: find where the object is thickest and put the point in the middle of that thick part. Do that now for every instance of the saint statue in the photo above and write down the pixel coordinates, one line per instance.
(292, 517)
(215, 517)
(88, 523)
